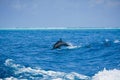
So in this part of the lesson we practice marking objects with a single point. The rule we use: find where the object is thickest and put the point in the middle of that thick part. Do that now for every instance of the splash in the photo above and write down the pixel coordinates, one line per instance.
(107, 40)
(72, 46)
(107, 75)
(116, 41)
(28, 73)
(22, 72)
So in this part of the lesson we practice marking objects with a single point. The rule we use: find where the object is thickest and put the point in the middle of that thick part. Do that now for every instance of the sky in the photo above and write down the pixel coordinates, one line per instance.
(59, 13)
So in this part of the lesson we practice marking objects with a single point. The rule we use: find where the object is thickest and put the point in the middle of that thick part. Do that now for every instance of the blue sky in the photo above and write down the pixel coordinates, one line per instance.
(59, 13)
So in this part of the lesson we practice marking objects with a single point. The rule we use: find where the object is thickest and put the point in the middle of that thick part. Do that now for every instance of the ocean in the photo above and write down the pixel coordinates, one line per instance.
(93, 54)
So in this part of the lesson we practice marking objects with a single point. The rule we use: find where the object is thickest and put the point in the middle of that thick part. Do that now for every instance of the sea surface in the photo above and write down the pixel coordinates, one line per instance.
(93, 54)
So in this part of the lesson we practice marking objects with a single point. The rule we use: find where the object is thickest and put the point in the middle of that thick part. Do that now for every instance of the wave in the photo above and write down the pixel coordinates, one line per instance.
(22, 72)
(107, 75)
(28, 73)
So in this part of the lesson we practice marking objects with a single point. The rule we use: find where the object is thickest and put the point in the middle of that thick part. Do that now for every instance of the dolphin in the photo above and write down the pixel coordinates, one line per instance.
(60, 43)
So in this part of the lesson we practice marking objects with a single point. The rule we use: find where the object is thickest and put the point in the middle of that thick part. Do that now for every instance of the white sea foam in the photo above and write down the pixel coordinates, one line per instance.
(107, 40)
(26, 73)
(10, 78)
(38, 74)
(72, 46)
(116, 41)
(107, 75)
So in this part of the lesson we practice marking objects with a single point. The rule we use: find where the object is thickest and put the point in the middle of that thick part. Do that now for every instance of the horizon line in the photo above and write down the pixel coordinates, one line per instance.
(56, 28)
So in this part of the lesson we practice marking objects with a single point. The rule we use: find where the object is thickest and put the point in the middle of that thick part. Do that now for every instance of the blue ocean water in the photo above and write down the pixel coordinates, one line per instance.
(27, 54)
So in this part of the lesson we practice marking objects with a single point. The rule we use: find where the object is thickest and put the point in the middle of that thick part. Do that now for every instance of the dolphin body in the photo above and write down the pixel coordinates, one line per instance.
(60, 43)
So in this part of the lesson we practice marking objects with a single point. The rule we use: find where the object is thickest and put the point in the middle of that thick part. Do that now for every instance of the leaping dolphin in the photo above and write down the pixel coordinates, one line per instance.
(60, 43)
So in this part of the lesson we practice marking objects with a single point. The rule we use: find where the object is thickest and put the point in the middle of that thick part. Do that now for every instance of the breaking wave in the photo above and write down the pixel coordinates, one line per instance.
(28, 73)
(22, 72)
(107, 75)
